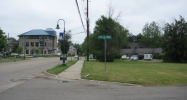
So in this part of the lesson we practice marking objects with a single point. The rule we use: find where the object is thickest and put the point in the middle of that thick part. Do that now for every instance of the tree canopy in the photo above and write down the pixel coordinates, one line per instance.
(151, 35)
(14, 43)
(175, 41)
(108, 26)
(3, 41)
(65, 43)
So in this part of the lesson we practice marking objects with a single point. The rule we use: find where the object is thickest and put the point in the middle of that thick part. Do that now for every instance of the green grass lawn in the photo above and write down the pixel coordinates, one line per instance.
(137, 72)
(59, 68)
(11, 59)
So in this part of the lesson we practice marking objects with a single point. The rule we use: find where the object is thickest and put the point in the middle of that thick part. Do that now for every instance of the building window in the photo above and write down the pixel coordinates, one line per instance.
(36, 44)
(32, 44)
(45, 44)
(41, 44)
(27, 44)
(27, 51)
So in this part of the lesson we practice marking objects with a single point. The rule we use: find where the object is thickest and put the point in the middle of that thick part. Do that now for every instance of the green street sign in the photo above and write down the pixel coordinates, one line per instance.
(104, 37)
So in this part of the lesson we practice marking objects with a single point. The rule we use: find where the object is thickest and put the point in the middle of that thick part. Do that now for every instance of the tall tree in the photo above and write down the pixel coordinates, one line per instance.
(13, 43)
(175, 41)
(151, 35)
(132, 38)
(108, 26)
(65, 43)
(3, 41)
(19, 50)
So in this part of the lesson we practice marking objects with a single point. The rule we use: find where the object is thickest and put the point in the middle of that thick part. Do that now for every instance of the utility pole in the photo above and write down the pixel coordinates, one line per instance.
(87, 19)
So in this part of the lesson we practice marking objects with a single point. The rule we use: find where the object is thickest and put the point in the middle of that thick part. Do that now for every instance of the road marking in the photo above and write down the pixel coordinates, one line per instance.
(11, 85)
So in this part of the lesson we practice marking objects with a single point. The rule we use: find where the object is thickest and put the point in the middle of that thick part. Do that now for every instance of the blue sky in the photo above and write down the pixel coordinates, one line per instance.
(19, 16)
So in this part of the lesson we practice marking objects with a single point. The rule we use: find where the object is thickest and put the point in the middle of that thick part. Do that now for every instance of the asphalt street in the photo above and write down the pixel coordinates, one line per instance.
(10, 72)
(23, 80)
(52, 89)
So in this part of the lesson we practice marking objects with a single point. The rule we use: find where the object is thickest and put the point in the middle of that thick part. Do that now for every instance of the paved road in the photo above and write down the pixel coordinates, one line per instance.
(51, 89)
(12, 71)
(18, 81)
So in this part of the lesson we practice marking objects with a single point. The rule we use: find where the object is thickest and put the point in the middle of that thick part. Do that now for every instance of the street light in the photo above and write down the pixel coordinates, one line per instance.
(64, 55)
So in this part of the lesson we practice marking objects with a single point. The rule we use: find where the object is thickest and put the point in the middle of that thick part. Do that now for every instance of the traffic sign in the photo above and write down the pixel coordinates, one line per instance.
(104, 37)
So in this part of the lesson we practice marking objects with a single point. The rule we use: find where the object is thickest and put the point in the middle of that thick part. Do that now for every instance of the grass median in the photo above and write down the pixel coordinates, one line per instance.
(59, 68)
(11, 59)
(137, 72)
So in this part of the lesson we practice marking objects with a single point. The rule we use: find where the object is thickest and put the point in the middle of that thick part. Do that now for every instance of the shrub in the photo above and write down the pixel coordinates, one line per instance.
(140, 57)
(156, 56)
(109, 57)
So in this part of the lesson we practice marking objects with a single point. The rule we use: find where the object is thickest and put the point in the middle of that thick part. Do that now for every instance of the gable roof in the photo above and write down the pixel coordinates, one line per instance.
(39, 32)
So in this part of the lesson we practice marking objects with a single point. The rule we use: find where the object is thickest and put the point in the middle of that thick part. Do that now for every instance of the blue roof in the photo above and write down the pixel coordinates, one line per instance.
(39, 32)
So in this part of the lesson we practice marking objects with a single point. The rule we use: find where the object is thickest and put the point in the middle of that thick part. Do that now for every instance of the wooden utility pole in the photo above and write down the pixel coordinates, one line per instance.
(87, 33)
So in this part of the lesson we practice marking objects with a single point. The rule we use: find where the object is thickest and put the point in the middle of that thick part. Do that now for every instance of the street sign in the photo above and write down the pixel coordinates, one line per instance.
(61, 36)
(104, 37)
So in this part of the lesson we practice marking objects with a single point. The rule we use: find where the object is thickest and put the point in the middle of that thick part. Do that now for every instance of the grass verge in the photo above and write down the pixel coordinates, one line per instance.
(137, 72)
(59, 68)
(11, 59)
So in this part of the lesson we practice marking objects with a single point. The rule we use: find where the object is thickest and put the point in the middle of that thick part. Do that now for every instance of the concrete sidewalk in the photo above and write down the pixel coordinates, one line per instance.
(73, 72)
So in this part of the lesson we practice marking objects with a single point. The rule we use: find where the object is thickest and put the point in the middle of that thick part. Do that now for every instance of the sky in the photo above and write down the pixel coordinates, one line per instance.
(20, 16)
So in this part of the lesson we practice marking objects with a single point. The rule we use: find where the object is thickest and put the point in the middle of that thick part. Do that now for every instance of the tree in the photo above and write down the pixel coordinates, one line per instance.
(38, 51)
(19, 50)
(108, 26)
(3, 41)
(14, 43)
(175, 41)
(131, 38)
(65, 43)
(151, 35)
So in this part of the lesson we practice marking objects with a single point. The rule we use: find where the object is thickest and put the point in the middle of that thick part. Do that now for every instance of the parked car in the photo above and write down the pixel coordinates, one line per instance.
(14, 54)
(75, 56)
(134, 57)
(36, 55)
(124, 57)
(148, 56)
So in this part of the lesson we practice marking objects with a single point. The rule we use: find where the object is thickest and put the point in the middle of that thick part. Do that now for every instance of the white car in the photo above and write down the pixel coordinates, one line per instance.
(14, 54)
(75, 56)
(148, 56)
(123, 56)
(134, 57)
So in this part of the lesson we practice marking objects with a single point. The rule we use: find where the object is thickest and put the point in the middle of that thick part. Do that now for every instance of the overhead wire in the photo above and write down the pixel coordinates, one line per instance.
(83, 8)
(80, 16)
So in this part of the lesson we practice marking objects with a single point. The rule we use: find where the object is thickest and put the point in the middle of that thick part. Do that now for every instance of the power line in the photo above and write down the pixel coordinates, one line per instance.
(83, 8)
(77, 33)
(80, 15)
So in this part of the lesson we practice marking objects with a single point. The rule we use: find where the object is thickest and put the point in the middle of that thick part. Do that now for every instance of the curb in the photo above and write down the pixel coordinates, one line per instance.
(49, 75)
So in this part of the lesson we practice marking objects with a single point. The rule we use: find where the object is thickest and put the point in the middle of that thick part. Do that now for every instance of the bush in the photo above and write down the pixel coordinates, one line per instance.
(118, 56)
(140, 57)
(109, 57)
(156, 56)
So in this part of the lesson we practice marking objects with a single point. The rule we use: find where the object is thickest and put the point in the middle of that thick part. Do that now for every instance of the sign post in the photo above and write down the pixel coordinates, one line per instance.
(105, 37)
